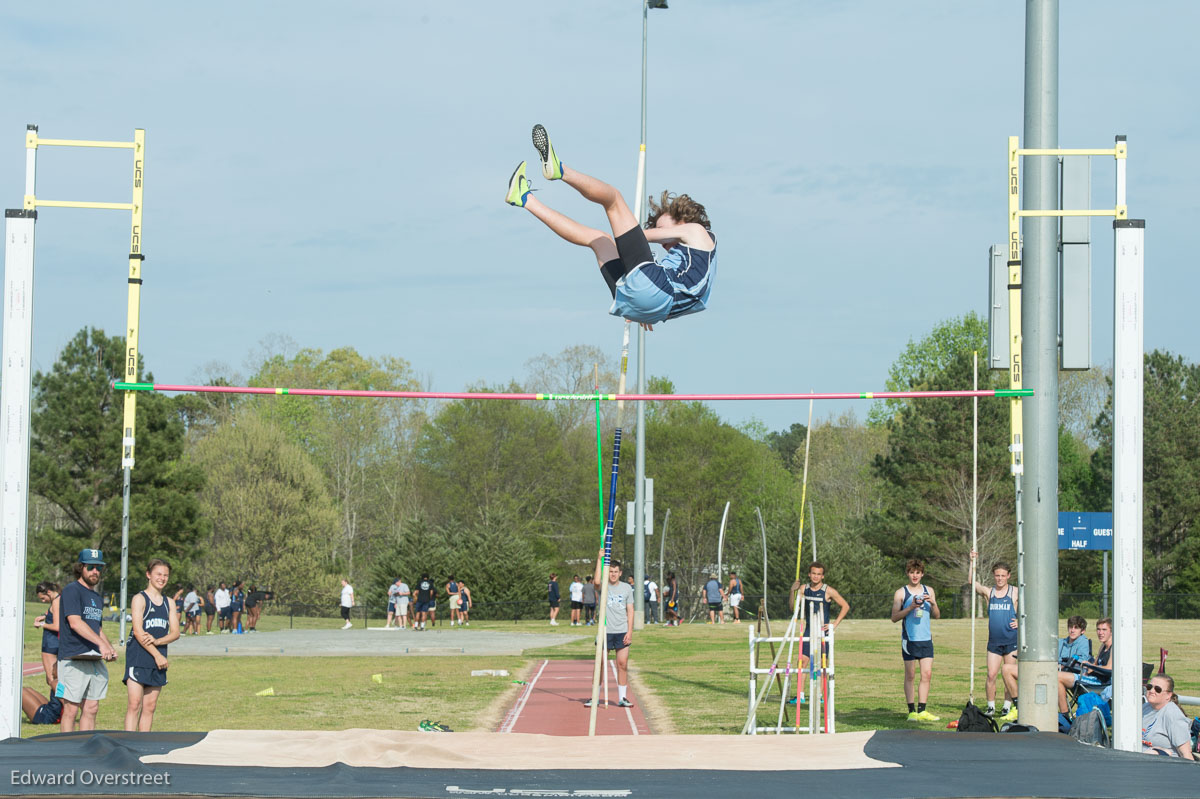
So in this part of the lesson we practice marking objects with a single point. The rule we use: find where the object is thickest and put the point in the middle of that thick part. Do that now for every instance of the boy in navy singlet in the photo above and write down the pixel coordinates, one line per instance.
(914, 605)
(642, 289)
(817, 597)
(155, 624)
(1002, 640)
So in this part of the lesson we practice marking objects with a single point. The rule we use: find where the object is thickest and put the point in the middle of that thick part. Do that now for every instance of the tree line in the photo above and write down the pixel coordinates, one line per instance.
(293, 493)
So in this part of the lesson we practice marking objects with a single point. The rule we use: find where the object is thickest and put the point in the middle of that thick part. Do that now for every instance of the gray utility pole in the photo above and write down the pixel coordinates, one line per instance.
(1038, 675)
(639, 477)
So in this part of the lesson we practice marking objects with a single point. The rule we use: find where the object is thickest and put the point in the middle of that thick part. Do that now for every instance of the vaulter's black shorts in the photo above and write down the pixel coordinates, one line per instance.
(632, 250)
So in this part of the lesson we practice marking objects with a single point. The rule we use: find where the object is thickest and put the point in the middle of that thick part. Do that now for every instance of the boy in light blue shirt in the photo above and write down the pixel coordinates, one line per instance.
(1076, 647)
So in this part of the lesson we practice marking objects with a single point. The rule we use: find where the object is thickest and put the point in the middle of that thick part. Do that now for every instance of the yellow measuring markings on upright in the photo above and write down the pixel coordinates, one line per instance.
(135, 298)
(1016, 459)
(1015, 213)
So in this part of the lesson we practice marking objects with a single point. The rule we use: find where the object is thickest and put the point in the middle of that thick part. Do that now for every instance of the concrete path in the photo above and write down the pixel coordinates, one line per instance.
(367, 643)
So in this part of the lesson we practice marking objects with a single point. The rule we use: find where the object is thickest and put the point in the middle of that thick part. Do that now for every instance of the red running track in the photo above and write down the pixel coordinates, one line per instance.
(553, 704)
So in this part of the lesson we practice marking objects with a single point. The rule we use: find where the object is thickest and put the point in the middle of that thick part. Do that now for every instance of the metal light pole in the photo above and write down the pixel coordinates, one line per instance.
(639, 496)
(1038, 675)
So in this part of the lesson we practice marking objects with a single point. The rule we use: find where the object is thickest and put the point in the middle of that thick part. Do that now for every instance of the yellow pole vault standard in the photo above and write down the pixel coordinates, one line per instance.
(135, 299)
(1016, 457)
(1015, 372)
(128, 425)
(130, 360)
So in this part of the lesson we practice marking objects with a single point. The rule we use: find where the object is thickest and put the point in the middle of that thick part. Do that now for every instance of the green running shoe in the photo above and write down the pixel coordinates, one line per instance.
(518, 187)
(914, 716)
(551, 166)
(925, 715)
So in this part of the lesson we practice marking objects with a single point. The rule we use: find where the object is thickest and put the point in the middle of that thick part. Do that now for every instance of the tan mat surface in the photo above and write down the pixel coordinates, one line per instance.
(516, 751)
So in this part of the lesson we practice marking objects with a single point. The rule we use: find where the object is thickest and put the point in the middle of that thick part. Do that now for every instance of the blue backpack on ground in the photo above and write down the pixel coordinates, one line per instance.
(1089, 702)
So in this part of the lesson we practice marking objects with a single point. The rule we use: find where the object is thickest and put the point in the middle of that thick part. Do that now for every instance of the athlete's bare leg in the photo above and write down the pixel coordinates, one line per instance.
(620, 218)
(601, 244)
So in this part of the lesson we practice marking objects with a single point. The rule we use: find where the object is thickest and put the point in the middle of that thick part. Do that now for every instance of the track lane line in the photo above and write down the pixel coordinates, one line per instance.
(511, 720)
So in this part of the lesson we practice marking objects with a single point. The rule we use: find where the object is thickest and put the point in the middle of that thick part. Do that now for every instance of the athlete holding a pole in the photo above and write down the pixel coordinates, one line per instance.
(618, 621)
(1002, 640)
(643, 290)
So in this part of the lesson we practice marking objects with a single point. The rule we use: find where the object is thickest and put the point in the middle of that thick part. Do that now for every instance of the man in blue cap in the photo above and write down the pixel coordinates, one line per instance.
(82, 645)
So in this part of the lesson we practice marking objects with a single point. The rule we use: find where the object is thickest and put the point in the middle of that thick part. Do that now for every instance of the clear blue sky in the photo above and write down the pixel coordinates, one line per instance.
(334, 173)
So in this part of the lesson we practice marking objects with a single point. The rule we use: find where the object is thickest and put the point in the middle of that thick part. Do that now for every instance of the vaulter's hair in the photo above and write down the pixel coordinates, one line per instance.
(155, 562)
(914, 565)
(816, 564)
(679, 207)
(1002, 565)
(47, 587)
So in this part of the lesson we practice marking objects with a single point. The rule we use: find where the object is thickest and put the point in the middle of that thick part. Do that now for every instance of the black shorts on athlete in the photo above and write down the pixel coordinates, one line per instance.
(616, 641)
(632, 251)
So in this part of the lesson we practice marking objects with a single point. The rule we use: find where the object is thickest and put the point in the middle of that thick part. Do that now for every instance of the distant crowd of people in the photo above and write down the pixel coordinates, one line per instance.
(228, 604)
(415, 609)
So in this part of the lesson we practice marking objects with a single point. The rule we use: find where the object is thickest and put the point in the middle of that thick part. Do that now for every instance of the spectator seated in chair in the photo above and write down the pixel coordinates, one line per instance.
(1093, 675)
(1165, 729)
(1076, 648)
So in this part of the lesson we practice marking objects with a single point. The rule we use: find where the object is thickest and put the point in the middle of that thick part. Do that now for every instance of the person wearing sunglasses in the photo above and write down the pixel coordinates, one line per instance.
(82, 645)
(1165, 728)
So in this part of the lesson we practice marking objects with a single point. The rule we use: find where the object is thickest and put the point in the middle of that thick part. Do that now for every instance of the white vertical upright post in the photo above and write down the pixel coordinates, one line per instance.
(832, 686)
(1128, 363)
(14, 455)
(753, 682)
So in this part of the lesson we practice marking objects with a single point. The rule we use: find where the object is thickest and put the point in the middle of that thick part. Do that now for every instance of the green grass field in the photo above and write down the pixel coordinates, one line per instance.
(696, 674)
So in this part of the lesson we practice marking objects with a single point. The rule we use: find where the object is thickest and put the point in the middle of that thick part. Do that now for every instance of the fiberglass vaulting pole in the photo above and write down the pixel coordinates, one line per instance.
(606, 544)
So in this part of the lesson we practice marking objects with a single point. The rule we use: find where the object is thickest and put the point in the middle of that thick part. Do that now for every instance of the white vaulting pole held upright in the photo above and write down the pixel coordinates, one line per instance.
(973, 567)
(812, 530)
(599, 668)
(763, 528)
(662, 556)
(721, 541)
